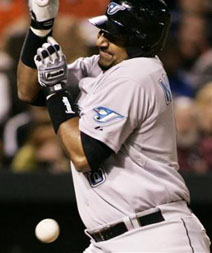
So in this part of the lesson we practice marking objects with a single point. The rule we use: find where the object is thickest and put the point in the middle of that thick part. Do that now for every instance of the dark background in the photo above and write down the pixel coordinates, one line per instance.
(28, 198)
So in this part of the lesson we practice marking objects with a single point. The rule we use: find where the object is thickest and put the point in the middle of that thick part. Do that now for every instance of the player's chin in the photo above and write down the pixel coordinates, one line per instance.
(105, 64)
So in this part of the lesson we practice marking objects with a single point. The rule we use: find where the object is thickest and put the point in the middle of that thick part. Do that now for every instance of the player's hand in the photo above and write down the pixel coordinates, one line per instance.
(43, 13)
(52, 66)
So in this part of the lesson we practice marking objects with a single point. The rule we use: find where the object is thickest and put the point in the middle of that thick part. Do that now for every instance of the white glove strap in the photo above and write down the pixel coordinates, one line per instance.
(40, 33)
(43, 13)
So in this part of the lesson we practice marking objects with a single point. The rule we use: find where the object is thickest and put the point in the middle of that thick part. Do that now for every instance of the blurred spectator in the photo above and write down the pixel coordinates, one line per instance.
(188, 56)
(13, 44)
(5, 99)
(18, 127)
(1, 154)
(15, 134)
(41, 152)
(201, 73)
(186, 121)
(192, 38)
(31, 144)
(204, 104)
(203, 101)
(172, 61)
(194, 126)
(10, 105)
(194, 6)
(189, 156)
(194, 47)
(67, 31)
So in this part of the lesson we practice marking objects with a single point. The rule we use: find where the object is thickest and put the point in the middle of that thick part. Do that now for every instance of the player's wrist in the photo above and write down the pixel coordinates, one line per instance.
(42, 25)
(61, 108)
(48, 91)
(43, 13)
(31, 44)
(41, 28)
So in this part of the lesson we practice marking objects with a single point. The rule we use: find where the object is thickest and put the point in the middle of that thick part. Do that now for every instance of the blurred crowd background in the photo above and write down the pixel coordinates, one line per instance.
(27, 140)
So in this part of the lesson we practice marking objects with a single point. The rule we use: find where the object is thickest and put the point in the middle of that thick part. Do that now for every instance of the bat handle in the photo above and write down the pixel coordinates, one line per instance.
(42, 3)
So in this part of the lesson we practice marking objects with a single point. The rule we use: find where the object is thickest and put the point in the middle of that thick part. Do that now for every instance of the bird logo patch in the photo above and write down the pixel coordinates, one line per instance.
(114, 8)
(104, 115)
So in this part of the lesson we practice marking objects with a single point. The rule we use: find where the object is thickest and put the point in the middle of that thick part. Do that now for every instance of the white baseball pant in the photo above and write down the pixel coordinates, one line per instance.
(181, 232)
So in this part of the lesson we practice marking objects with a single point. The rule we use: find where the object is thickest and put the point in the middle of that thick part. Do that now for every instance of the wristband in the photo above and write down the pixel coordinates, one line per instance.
(61, 108)
(44, 25)
(31, 44)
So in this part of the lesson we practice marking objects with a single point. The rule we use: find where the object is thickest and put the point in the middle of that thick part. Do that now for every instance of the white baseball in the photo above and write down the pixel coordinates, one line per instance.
(42, 3)
(47, 230)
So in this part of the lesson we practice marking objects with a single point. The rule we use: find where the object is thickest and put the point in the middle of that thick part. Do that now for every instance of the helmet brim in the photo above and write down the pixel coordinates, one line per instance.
(104, 23)
(99, 21)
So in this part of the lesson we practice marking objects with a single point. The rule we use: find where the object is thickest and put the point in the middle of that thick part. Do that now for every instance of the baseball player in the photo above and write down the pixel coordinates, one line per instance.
(113, 113)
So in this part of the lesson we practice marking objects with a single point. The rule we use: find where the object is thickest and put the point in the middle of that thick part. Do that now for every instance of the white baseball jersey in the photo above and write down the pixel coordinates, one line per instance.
(129, 108)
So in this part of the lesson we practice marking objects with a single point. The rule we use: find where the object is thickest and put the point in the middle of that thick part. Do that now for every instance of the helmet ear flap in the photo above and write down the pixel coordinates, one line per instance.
(137, 45)
(134, 51)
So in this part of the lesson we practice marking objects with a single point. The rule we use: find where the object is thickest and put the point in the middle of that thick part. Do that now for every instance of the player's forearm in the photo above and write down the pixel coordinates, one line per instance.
(63, 111)
(42, 15)
(70, 137)
(27, 83)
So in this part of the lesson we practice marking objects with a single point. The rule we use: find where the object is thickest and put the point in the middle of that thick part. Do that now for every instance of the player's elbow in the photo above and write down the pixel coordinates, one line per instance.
(25, 97)
(81, 167)
(81, 164)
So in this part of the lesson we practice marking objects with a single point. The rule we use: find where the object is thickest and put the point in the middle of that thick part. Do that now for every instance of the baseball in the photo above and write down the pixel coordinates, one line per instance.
(47, 230)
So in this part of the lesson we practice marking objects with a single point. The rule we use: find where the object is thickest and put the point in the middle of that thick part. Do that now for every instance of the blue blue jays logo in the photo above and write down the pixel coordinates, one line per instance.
(114, 7)
(164, 83)
(105, 114)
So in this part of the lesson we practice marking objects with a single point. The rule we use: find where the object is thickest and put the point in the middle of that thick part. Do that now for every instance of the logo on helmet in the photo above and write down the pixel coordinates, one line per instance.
(114, 8)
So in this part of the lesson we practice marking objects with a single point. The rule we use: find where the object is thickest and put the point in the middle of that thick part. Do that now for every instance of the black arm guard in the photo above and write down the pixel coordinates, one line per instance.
(96, 151)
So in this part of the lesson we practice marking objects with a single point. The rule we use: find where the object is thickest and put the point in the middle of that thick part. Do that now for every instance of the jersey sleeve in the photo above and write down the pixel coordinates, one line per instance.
(112, 112)
(82, 67)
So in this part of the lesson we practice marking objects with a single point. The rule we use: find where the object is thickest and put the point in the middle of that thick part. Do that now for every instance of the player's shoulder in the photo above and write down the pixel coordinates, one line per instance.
(138, 69)
(90, 60)
(93, 60)
(142, 66)
(88, 65)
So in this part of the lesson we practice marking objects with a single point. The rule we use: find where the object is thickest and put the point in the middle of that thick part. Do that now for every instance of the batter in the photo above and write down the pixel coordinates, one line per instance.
(113, 113)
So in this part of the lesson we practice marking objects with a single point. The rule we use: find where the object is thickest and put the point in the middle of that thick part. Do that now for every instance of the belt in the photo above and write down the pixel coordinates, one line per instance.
(120, 228)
